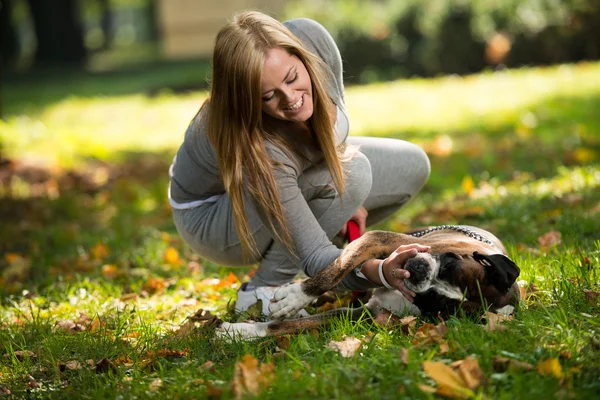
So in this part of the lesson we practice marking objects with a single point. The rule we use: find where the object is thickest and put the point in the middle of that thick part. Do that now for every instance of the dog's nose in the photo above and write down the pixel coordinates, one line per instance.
(418, 269)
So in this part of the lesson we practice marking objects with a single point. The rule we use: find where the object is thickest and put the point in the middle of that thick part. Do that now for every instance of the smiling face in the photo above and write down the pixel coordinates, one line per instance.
(286, 87)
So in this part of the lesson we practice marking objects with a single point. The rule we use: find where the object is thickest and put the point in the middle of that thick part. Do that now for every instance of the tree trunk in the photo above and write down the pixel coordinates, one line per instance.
(58, 31)
(8, 37)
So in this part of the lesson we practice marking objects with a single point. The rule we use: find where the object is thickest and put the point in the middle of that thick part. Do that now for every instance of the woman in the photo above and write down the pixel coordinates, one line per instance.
(267, 173)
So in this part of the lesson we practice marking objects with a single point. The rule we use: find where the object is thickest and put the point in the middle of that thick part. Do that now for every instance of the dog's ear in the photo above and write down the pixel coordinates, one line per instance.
(499, 269)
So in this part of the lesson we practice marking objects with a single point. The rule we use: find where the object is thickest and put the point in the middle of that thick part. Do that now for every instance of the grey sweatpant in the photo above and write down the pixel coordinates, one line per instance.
(382, 177)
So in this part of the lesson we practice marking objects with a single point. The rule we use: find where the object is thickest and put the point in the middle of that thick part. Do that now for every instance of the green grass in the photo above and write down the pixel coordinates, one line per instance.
(86, 230)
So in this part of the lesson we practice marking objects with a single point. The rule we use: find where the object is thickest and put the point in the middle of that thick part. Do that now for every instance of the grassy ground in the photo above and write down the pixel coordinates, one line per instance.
(100, 297)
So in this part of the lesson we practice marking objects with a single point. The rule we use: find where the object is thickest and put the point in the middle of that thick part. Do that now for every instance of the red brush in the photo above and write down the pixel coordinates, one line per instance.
(353, 231)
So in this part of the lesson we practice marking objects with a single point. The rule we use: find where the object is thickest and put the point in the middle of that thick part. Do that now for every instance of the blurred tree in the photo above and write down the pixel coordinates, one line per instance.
(58, 32)
(8, 37)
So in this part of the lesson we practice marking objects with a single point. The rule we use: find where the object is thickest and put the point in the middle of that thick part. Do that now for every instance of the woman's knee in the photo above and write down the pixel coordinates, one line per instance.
(358, 177)
(421, 168)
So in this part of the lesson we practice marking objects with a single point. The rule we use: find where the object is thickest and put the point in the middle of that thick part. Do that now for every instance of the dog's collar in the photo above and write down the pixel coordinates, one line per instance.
(470, 233)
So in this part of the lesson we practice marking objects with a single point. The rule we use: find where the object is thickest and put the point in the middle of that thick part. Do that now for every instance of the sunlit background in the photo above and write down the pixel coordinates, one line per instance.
(95, 97)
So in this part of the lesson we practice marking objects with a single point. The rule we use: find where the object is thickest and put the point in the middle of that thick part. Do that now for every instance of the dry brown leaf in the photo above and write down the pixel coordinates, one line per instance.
(248, 379)
(494, 321)
(21, 354)
(408, 323)
(550, 367)
(207, 366)
(154, 285)
(110, 271)
(73, 365)
(69, 326)
(528, 290)
(99, 251)
(404, 356)
(283, 342)
(346, 347)
(105, 365)
(501, 364)
(212, 391)
(444, 348)
(591, 295)
(470, 373)
(429, 333)
(550, 239)
(155, 385)
(387, 319)
(427, 389)
(450, 383)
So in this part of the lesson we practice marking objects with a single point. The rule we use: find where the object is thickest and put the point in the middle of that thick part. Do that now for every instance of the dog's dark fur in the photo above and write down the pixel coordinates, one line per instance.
(460, 273)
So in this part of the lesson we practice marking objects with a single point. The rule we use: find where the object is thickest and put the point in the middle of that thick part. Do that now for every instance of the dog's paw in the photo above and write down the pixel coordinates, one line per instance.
(289, 301)
(241, 331)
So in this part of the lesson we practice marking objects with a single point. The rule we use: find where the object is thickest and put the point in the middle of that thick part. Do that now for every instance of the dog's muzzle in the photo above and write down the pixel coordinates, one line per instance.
(421, 268)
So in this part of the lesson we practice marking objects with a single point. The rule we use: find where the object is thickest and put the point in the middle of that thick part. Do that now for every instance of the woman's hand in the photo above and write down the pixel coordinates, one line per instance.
(393, 267)
(360, 217)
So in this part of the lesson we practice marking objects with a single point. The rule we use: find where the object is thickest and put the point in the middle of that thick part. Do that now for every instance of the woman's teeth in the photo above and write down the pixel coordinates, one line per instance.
(296, 105)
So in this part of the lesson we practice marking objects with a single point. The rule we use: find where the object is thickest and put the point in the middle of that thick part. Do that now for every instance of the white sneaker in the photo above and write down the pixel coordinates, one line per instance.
(247, 298)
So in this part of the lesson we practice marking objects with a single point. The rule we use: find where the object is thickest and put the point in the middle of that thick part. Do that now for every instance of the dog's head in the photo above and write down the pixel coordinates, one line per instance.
(449, 280)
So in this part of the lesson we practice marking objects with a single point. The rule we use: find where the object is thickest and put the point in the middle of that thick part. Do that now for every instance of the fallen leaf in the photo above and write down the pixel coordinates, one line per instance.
(501, 364)
(550, 367)
(105, 365)
(73, 365)
(468, 185)
(494, 321)
(444, 348)
(347, 347)
(470, 373)
(430, 334)
(171, 256)
(408, 324)
(550, 239)
(248, 379)
(21, 354)
(404, 355)
(591, 295)
(99, 251)
(450, 384)
(155, 385)
(110, 271)
(283, 342)
(442, 146)
(154, 285)
(207, 366)
(387, 319)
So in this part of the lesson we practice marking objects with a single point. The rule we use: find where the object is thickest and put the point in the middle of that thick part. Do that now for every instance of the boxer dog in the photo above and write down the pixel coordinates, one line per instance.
(467, 269)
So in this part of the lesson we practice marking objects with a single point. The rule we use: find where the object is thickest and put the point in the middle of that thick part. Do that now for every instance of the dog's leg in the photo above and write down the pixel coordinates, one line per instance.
(290, 299)
(242, 330)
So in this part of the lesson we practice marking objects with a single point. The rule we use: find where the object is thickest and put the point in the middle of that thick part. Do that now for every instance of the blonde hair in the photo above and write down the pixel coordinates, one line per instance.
(238, 130)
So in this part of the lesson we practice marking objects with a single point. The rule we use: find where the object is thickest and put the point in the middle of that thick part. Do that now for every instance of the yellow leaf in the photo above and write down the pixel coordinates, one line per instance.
(584, 155)
(468, 185)
(550, 367)
(470, 373)
(442, 146)
(171, 256)
(12, 257)
(99, 251)
(248, 379)
(450, 384)
(110, 271)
